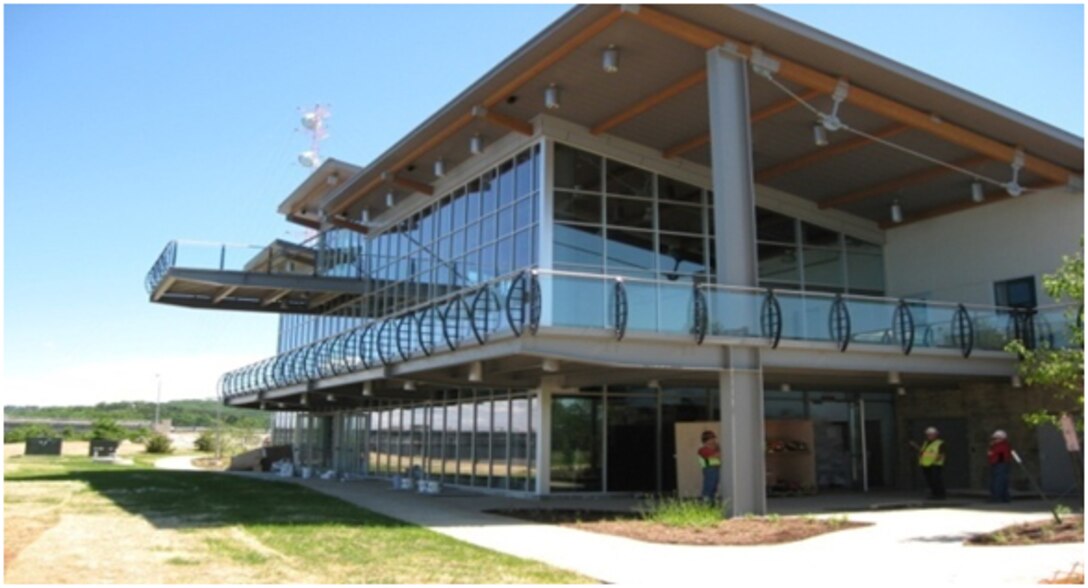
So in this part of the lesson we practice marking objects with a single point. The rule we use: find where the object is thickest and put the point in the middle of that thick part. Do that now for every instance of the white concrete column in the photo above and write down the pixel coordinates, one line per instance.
(542, 422)
(743, 478)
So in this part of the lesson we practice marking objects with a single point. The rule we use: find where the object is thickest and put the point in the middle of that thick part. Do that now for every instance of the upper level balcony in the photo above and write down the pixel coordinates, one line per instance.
(541, 303)
(281, 277)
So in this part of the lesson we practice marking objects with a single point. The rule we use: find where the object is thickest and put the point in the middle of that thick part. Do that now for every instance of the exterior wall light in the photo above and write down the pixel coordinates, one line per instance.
(785, 388)
(364, 216)
(610, 60)
(897, 212)
(439, 168)
(409, 386)
(976, 192)
(476, 144)
(819, 135)
(551, 97)
(333, 179)
(1014, 189)
(390, 199)
(368, 388)
(893, 376)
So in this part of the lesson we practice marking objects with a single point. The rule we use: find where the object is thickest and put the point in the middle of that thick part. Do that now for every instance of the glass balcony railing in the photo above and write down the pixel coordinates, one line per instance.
(530, 300)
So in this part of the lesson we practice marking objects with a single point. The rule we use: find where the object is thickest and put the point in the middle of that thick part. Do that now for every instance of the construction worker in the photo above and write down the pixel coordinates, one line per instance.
(1000, 456)
(710, 460)
(931, 458)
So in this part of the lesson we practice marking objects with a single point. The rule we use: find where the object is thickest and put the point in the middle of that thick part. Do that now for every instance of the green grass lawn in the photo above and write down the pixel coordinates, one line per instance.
(275, 527)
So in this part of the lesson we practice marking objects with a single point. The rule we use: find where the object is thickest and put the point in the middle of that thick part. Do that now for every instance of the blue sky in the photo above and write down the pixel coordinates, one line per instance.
(127, 126)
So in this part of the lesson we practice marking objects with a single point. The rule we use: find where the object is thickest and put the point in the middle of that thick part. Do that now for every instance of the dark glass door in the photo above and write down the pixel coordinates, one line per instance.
(576, 453)
(632, 444)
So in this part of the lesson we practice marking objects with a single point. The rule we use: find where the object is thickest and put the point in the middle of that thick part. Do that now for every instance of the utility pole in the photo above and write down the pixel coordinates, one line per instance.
(158, 399)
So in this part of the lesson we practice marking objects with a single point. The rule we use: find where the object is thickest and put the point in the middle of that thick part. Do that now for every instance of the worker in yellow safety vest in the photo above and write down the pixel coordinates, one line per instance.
(931, 459)
(710, 462)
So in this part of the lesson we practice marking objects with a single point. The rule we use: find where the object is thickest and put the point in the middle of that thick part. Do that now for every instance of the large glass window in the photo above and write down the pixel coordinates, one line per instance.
(634, 222)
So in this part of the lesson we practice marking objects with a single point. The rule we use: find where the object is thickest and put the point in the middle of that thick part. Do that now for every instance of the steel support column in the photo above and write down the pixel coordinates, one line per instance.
(743, 477)
(740, 382)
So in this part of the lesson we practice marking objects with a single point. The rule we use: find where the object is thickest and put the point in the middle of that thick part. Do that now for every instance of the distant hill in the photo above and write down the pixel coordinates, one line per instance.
(182, 413)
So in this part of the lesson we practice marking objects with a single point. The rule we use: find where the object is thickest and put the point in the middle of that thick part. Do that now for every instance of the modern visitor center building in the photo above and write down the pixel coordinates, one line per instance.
(656, 219)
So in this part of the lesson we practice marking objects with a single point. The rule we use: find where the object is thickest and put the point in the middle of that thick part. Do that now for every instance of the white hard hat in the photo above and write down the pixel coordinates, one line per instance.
(931, 430)
(999, 434)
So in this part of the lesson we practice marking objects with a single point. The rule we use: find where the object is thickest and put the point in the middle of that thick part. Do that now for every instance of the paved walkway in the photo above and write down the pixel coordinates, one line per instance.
(916, 546)
(177, 462)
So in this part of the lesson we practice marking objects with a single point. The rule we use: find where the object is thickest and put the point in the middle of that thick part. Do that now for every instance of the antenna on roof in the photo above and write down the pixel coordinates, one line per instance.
(313, 124)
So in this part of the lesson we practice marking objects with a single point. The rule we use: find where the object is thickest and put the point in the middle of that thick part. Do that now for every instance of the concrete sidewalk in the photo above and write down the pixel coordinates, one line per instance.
(916, 546)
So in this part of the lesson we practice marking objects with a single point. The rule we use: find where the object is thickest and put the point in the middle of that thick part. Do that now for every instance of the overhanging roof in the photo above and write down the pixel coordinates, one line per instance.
(567, 53)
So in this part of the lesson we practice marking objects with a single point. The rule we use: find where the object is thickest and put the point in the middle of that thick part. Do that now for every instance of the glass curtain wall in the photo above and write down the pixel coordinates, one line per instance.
(483, 229)
(470, 437)
(616, 219)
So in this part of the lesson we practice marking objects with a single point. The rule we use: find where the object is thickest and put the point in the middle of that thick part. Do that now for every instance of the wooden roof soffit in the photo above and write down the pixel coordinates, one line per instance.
(757, 116)
(824, 153)
(797, 73)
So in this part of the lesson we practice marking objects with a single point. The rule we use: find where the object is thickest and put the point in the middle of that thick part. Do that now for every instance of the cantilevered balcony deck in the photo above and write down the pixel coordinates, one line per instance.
(540, 303)
(279, 277)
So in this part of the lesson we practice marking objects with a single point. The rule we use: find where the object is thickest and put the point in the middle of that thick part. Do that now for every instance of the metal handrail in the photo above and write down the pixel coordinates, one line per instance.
(405, 334)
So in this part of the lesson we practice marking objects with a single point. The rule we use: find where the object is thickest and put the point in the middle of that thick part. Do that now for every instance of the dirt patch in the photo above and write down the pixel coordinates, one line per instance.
(1070, 530)
(739, 531)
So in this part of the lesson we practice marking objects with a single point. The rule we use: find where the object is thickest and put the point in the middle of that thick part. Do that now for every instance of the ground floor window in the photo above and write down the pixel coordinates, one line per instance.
(470, 437)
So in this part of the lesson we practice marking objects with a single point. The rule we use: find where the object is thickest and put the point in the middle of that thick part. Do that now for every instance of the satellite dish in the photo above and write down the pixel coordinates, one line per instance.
(310, 120)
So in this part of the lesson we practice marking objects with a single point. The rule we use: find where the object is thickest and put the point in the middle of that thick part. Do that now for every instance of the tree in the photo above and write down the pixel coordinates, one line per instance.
(1059, 368)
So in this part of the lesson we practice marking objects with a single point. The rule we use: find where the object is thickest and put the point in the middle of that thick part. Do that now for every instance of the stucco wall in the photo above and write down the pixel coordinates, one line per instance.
(958, 257)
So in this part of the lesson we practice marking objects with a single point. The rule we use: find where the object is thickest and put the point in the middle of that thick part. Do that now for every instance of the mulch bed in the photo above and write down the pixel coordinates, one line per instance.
(1070, 530)
(739, 531)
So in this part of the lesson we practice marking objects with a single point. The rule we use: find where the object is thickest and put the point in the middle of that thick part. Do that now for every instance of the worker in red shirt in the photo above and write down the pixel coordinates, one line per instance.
(1000, 455)
(710, 462)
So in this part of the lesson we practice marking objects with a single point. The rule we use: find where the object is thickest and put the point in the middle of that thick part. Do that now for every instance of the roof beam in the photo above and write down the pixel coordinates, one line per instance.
(823, 153)
(564, 49)
(410, 184)
(757, 116)
(223, 293)
(860, 97)
(899, 183)
(650, 101)
(298, 220)
(275, 296)
(502, 120)
(996, 195)
(349, 225)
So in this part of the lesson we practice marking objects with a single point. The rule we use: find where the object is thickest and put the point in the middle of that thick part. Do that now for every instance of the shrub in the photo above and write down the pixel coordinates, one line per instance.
(205, 442)
(158, 443)
(21, 434)
(108, 429)
(680, 512)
